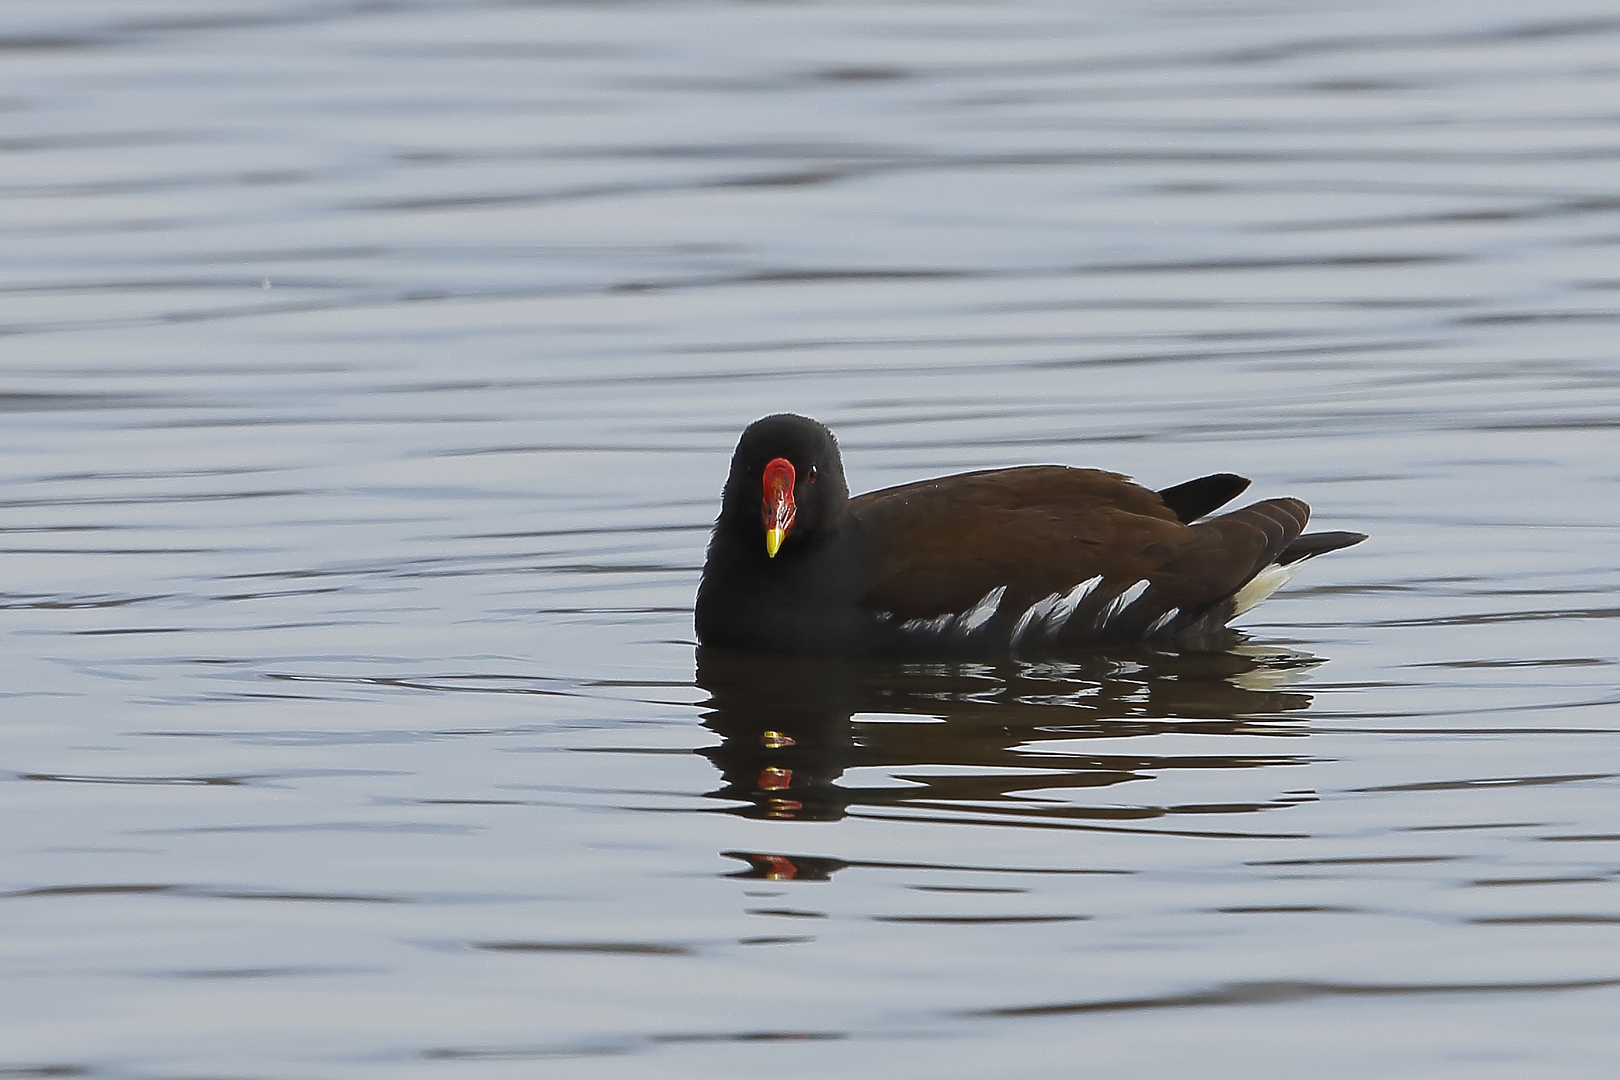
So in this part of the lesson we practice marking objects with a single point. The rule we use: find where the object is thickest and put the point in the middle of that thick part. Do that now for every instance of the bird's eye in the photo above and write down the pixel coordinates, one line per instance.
(812, 477)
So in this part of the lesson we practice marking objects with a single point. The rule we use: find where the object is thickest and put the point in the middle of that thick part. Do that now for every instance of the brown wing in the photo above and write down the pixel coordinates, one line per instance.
(942, 546)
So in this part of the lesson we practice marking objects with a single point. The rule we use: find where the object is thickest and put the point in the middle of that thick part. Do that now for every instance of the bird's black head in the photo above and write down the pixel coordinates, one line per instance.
(786, 486)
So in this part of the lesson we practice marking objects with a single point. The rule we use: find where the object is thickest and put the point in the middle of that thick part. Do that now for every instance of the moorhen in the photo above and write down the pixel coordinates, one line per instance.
(1029, 560)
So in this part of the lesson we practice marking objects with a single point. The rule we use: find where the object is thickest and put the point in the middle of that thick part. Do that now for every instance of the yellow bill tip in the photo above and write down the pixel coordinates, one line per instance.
(773, 541)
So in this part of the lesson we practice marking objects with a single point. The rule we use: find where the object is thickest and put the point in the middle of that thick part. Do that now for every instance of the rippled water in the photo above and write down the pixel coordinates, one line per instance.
(368, 376)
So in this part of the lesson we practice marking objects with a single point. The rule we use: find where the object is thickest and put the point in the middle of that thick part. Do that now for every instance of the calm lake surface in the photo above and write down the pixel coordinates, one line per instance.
(368, 376)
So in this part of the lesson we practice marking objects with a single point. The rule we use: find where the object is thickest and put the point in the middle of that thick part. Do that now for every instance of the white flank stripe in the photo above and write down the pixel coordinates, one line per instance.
(1037, 611)
(1123, 601)
(980, 613)
(1261, 586)
(963, 624)
(1071, 600)
(937, 625)
(1162, 621)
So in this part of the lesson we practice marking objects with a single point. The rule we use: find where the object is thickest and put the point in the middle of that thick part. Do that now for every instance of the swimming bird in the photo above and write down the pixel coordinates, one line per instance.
(1032, 560)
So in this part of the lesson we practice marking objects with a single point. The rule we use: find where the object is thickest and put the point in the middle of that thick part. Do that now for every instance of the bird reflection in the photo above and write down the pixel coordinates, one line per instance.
(993, 740)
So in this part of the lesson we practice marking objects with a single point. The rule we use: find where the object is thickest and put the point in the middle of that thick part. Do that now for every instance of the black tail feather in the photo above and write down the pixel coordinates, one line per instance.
(1195, 498)
(1313, 544)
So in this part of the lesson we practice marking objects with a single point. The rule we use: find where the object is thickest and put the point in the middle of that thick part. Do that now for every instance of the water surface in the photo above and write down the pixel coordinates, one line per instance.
(369, 377)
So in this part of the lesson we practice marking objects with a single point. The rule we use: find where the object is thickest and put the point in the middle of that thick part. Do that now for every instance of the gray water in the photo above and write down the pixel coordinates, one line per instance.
(368, 375)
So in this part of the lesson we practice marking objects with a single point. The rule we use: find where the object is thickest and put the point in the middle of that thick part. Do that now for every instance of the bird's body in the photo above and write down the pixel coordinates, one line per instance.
(1030, 560)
